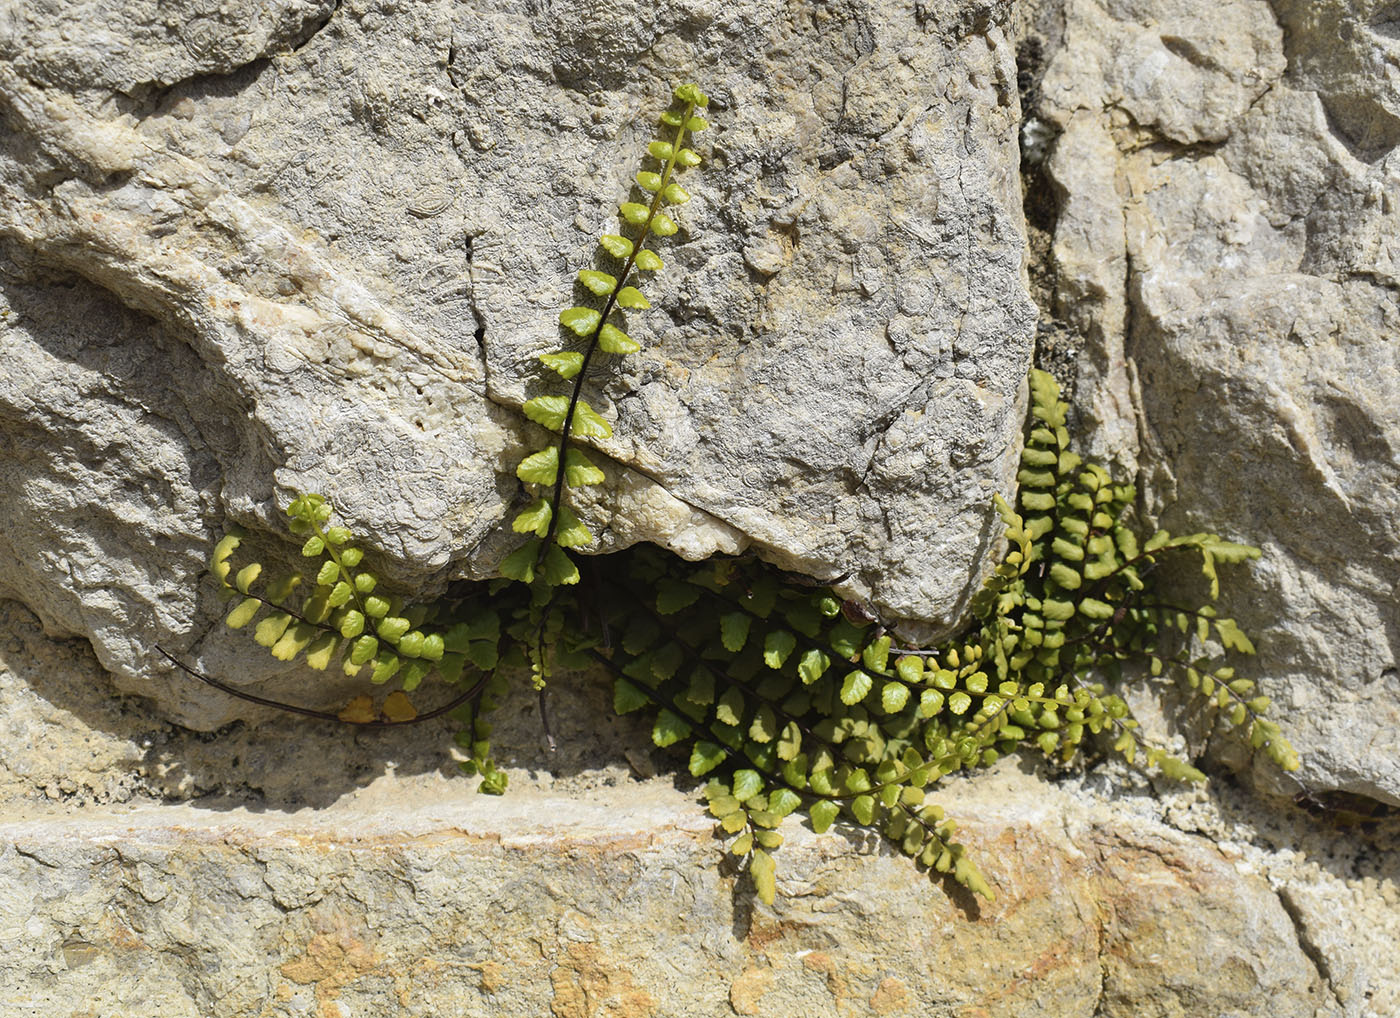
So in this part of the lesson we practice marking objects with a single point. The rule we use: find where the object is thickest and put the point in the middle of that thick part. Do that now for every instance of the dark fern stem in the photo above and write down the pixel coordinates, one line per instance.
(561, 465)
(542, 561)
(690, 98)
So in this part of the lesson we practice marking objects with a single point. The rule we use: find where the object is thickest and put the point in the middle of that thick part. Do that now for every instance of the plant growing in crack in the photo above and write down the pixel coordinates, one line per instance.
(541, 561)
(785, 696)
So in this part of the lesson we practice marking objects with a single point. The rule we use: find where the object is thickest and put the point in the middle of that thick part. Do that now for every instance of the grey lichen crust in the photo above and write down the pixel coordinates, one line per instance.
(352, 230)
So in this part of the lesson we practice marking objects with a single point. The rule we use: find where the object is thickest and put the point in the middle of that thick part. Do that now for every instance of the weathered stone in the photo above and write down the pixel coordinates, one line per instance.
(1232, 264)
(418, 900)
(238, 257)
(1183, 70)
(324, 874)
(1345, 52)
(139, 47)
(321, 251)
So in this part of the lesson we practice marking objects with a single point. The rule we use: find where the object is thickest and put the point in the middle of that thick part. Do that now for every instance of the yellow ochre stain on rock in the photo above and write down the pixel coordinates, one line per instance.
(586, 987)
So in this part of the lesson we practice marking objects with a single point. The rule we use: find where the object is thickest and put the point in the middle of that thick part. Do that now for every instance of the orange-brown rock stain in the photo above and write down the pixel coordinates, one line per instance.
(748, 988)
(891, 997)
(587, 986)
(821, 962)
(333, 958)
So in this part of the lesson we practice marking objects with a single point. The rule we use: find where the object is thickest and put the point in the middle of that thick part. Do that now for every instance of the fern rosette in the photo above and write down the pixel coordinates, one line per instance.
(784, 697)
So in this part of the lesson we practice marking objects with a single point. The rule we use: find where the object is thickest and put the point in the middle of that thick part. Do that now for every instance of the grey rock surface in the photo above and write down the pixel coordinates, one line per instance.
(248, 248)
(1227, 248)
(138, 48)
(1345, 52)
(261, 248)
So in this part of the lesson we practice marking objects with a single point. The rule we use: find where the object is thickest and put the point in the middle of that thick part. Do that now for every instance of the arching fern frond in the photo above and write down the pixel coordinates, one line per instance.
(333, 611)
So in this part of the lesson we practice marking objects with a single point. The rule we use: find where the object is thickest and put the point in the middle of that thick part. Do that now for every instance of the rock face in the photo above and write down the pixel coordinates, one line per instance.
(248, 248)
(451, 911)
(324, 876)
(272, 247)
(1230, 194)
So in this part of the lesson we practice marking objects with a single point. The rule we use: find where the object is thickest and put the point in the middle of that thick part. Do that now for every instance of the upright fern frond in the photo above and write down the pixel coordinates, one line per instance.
(551, 471)
(1074, 597)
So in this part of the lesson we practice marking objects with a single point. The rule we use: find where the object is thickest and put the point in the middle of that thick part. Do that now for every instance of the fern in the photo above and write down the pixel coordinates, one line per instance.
(560, 466)
(801, 704)
(785, 697)
(333, 612)
(790, 701)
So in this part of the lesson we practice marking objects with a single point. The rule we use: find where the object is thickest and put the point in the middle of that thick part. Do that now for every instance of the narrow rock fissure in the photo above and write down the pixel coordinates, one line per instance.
(319, 27)
(1057, 344)
(1101, 992)
(1372, 279)
(1308, 946)
(880, 429)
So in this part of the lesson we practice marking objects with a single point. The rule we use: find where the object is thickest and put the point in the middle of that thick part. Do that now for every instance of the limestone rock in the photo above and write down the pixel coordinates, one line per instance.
(414, 900)
(140, 47)
(322, 874)
(314, 246)
(256, 247)
(1231, 262)
(1341, 50)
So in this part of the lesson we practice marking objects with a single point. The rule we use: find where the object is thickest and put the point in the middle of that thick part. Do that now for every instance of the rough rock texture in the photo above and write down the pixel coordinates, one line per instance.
(1226, 246)
(595, 894)
(555, 906)
(247, 247)
(270, 247)
(320, 873)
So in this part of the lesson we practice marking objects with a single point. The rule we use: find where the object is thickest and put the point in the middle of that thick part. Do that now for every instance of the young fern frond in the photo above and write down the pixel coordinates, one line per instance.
(560, 466)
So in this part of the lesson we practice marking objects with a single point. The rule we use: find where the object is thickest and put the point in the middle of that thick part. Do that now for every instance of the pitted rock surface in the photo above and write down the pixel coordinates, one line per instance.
(308, 247)
(1227, 248)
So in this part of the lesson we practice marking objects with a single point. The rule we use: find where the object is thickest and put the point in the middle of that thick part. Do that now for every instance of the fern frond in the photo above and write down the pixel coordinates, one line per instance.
(341, 617)
(571, 416)
(779, 696)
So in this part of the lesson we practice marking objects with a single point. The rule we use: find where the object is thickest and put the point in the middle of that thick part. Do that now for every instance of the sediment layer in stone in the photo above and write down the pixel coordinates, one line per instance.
(396, 905)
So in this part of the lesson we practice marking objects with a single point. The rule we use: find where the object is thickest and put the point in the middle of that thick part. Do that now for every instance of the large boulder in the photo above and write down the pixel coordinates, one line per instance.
(317, 247)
